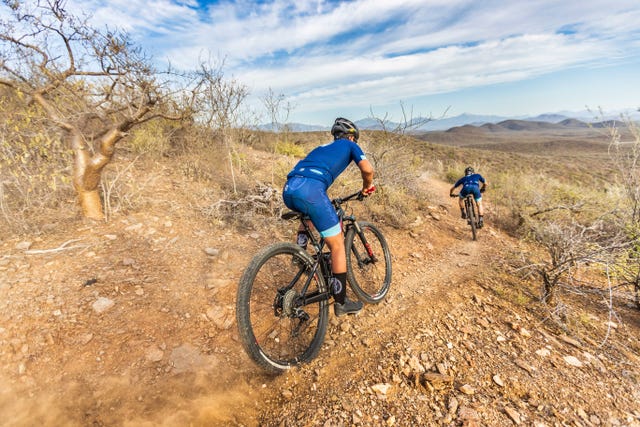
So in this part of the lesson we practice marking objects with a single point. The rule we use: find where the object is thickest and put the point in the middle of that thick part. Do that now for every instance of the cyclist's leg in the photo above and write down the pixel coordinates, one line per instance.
(477, 195)
(461, 197)
(327, 222)
(295, 195)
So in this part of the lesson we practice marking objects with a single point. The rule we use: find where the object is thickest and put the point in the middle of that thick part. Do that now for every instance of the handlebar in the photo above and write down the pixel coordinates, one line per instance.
(341, 200)
(453, 194)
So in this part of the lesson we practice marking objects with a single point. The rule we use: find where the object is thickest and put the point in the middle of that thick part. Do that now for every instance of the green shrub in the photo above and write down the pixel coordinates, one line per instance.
(288, 148)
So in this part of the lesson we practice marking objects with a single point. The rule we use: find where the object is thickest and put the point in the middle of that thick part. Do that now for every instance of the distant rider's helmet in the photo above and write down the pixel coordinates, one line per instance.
(343, 127)
(468, 171)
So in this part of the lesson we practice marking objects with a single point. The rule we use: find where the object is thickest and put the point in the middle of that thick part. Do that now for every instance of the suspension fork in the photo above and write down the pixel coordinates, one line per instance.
(364, 241)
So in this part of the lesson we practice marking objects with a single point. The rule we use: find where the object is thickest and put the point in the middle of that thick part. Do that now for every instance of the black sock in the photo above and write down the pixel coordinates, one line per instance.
(339, 291)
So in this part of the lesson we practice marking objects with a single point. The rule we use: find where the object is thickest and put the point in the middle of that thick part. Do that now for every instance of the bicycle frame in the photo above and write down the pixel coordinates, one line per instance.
(322, 259)
(471, 211)
(282, 305)
(470, 205)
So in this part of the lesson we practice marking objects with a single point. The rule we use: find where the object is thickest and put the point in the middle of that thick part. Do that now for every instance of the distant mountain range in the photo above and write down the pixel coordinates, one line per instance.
(425, 124)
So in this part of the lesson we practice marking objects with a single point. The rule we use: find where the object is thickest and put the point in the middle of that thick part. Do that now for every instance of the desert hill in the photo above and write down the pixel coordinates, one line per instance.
(131, 323)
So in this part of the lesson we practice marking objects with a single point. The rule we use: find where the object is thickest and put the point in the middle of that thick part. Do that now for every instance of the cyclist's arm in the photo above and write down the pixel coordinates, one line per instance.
(366, 170)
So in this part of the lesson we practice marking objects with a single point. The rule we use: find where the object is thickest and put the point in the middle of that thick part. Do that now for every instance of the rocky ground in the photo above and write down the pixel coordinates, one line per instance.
(132, 323)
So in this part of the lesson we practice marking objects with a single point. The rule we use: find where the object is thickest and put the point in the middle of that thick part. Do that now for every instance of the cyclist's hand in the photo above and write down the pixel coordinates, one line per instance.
(452, 195)
(368, 191)
(482, 190)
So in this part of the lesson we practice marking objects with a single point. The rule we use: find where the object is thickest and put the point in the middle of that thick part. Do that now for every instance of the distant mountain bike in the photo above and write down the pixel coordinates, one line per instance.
(471, 212)
(282, 305)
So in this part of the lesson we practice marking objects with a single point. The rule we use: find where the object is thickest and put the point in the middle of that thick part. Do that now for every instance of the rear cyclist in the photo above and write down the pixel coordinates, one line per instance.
(472, 183)
(306, 191)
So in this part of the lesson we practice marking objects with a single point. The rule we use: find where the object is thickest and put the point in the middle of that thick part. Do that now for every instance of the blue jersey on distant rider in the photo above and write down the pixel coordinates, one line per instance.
(309, 180)
(470, 184)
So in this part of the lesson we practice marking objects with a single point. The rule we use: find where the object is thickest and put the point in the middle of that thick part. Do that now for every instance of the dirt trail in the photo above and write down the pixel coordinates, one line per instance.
(132, 323)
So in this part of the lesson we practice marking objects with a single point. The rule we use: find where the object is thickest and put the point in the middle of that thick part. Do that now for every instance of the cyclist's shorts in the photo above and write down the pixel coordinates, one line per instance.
(309, 196)
(472, 189)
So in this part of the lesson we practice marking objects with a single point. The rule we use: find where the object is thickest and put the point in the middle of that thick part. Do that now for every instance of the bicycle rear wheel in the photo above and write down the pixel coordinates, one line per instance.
(368, 263)
(276, 329)
(472, 218)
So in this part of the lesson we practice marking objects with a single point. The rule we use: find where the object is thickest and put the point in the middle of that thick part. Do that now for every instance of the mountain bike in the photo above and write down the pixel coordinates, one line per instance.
(283, 298)
(471, 212)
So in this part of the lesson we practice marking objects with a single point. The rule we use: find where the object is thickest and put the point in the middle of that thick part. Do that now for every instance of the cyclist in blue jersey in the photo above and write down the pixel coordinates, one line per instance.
(472, 183)
(306, 191)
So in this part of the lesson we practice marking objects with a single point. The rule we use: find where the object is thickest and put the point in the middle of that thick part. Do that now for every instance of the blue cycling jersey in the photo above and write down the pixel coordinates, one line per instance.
(328, 161)
(306, 187)
(472, 180)
(470, 185)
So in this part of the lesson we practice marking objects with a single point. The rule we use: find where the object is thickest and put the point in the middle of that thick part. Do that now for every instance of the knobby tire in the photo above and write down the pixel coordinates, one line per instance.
(369, 278)
(473, 220)
(276, 332)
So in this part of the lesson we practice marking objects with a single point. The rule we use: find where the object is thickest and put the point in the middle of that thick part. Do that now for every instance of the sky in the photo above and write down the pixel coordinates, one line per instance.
(379, 57)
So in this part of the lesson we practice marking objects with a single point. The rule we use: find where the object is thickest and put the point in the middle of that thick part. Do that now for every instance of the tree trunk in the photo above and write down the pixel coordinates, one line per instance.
(87, 170)
(549, 289)
(91, 204)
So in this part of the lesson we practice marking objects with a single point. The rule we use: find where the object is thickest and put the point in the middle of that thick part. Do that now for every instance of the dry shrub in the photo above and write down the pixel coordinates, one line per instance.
(156, 138)
(288, 148)
(244, 209)
(34, 171)
(394, 207)
(129, 185)
(392, 155)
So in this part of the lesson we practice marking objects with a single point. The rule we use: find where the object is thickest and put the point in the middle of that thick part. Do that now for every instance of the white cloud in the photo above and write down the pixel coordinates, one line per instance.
(370, 51)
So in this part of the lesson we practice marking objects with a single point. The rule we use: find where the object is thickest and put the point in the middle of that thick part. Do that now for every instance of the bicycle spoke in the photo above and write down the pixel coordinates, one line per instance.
(275, 330)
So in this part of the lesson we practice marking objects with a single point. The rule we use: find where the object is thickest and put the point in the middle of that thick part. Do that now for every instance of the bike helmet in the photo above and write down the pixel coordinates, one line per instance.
(342, 127)
(468, 171)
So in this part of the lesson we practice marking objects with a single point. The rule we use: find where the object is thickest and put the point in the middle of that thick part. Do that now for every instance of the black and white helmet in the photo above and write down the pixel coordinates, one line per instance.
(468, 171)
(343, 127)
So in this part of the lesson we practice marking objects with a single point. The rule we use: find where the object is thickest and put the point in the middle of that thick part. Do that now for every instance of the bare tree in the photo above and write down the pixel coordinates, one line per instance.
(94, 85)
(220, 101)
(626, 159)
(279, 110)
(390, 150)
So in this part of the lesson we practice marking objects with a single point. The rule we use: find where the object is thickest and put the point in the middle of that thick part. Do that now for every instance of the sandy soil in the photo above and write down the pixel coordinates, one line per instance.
(132, 323)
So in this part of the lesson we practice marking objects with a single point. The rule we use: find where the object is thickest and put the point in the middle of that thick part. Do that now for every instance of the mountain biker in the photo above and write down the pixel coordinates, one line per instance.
(306, 191)
(472, 183)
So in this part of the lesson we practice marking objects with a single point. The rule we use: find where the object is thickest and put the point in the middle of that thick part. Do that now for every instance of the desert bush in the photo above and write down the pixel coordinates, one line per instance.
(245, 206)
(154, 139)
(124, 189)
(288, 148)
(582, 234)
(33, 163)
(626, 160)
(396, 164)
(452, 174)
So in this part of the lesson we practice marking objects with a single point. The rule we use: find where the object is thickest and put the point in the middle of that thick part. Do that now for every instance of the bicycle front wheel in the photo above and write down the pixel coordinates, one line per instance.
(278, 326)
(368, 262)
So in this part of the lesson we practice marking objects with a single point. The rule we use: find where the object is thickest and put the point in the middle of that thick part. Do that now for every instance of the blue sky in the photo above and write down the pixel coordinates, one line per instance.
(348, 58)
